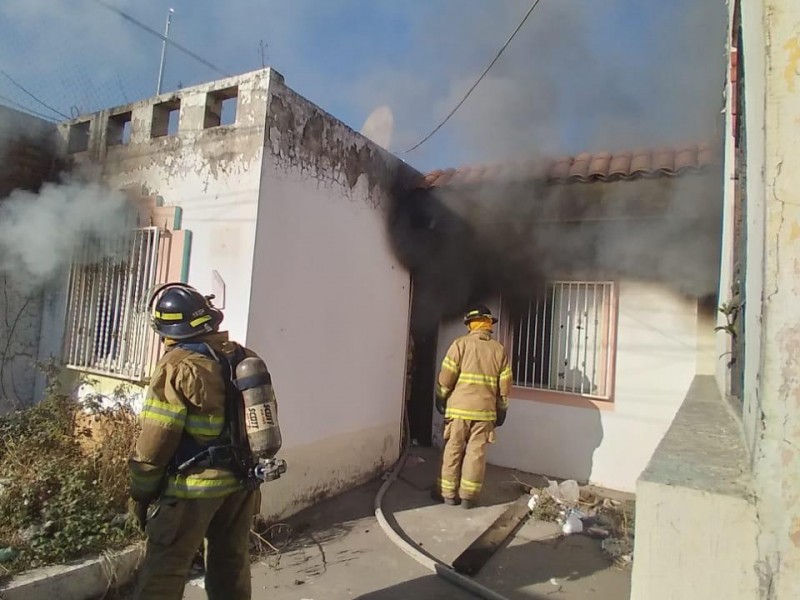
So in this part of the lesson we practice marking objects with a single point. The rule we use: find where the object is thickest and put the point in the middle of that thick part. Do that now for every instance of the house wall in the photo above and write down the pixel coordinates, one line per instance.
(610, 443)
(212, 174)
(20, 326)
(771, 31)
(26, 161)
(329, 304)
(723, 345)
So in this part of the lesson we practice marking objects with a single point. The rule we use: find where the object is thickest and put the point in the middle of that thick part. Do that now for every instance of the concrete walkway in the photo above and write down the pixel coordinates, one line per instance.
(339, 551)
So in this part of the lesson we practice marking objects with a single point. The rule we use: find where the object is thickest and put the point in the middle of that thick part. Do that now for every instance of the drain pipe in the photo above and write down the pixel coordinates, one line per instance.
(433, 565)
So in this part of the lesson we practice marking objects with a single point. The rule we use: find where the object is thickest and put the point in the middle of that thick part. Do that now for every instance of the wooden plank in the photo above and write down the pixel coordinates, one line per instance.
(490, 541)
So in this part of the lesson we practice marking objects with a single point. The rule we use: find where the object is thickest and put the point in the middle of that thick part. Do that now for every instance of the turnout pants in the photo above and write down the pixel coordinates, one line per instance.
(176, 532)
(464, 458)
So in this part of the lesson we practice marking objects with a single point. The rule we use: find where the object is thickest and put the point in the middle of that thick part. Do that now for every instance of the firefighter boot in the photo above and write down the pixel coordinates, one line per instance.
(435, 495)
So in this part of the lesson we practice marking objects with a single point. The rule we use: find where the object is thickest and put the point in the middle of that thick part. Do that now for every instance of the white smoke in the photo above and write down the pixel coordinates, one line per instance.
(40, 233)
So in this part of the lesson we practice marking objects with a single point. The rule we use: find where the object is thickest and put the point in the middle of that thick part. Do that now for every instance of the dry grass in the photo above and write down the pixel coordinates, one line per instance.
(66, 482)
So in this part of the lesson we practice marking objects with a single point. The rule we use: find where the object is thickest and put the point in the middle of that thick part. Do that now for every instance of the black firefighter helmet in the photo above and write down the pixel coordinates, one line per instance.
(479, 312)
(179, 312)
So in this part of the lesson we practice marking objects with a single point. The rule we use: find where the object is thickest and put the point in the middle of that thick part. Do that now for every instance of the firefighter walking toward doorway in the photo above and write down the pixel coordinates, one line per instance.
(208, 437)
(472, 395)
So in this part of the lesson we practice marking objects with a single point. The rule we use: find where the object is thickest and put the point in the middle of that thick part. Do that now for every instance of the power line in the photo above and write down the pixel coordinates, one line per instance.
(474, 85)
(47, 106)
(160, 36)
(27, 110)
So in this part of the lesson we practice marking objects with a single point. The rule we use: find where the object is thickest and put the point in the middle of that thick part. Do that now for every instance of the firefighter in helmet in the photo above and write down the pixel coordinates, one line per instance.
(187, 411)
(472, 395)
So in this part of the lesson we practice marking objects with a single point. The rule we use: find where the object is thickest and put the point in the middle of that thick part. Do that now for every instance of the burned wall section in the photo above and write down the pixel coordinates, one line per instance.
(464, 244)
(302, 136)
(28, 159)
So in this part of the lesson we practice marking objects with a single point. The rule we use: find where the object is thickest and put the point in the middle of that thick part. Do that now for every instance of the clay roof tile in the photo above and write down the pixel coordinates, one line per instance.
(585, 167)
(599, 165)
(663, 162)
(579, 170)
(620, 165)
(641, 163)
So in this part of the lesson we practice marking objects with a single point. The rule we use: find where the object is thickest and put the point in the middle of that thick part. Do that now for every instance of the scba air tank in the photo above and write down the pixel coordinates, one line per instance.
(260, 408)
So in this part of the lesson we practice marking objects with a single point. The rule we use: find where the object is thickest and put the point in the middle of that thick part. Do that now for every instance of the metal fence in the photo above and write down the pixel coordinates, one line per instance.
(107, 328)
(561, 340)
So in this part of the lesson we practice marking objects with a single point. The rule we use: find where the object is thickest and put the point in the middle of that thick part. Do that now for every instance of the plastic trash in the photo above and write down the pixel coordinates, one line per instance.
(533, 502)
(566, 492)
(573, 524)
(570, 491)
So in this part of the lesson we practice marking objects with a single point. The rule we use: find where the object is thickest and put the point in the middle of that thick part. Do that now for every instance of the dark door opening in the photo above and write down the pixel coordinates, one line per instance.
(424, 339)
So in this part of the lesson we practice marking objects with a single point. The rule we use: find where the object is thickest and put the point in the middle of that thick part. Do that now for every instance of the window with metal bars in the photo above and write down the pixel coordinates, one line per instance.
(561, 340)
(107, 329)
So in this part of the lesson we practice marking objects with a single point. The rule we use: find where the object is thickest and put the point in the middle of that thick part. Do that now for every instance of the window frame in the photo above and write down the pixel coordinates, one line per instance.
(92, 326)
(565, 397)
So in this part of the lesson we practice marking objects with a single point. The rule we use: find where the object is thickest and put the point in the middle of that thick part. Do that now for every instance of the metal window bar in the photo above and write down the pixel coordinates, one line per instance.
(563, 339)
(107, 333)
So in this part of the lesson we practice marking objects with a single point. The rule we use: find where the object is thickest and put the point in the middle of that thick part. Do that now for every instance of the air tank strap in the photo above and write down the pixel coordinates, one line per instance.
(214, 453)
(253, 381)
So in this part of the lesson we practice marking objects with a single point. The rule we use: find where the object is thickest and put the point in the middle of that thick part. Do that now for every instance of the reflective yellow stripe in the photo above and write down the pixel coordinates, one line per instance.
(472, 486)
(169, 316)
(478, 379)
(470, 415)
(473, 313)
(506, 374)
(449, 364)
(205, 425)
(171, 415)
(446, 484)
(503, 404)
(194, 486)
(200, 320)
(442, 391)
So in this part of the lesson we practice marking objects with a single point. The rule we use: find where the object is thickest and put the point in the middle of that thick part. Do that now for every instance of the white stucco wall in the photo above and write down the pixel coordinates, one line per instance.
(755, 115)
(657, 342)
(330, 303)
(771, 32)
(723, 345)
(212, 174)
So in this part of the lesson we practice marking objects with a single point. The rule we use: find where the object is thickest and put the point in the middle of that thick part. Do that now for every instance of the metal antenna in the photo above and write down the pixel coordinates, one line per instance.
(164, 51)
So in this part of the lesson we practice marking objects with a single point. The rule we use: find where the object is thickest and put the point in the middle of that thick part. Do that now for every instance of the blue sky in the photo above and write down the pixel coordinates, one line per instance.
(582, 74)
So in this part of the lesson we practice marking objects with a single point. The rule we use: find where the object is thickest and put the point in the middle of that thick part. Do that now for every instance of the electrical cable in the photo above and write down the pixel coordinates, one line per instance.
(19, 85)
(160, 36)
(477, 82)
(26, 110)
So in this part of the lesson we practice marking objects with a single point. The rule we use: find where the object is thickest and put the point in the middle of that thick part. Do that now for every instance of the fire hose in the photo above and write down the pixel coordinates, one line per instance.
(434, 565)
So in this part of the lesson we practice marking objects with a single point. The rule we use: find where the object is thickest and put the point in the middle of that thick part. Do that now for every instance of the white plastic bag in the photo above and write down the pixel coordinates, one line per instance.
(573, 524)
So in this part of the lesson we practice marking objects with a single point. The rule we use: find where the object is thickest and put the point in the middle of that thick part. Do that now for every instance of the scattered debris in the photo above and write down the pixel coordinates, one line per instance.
(567, 492)
(269, 539)
(545, 507)
(572, 522)
(596, 532)
(582, 510)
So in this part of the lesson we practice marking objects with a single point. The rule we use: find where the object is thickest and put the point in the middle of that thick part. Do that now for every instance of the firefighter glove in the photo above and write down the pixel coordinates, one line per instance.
(501, 417)
(440, 404)
(140, 510)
